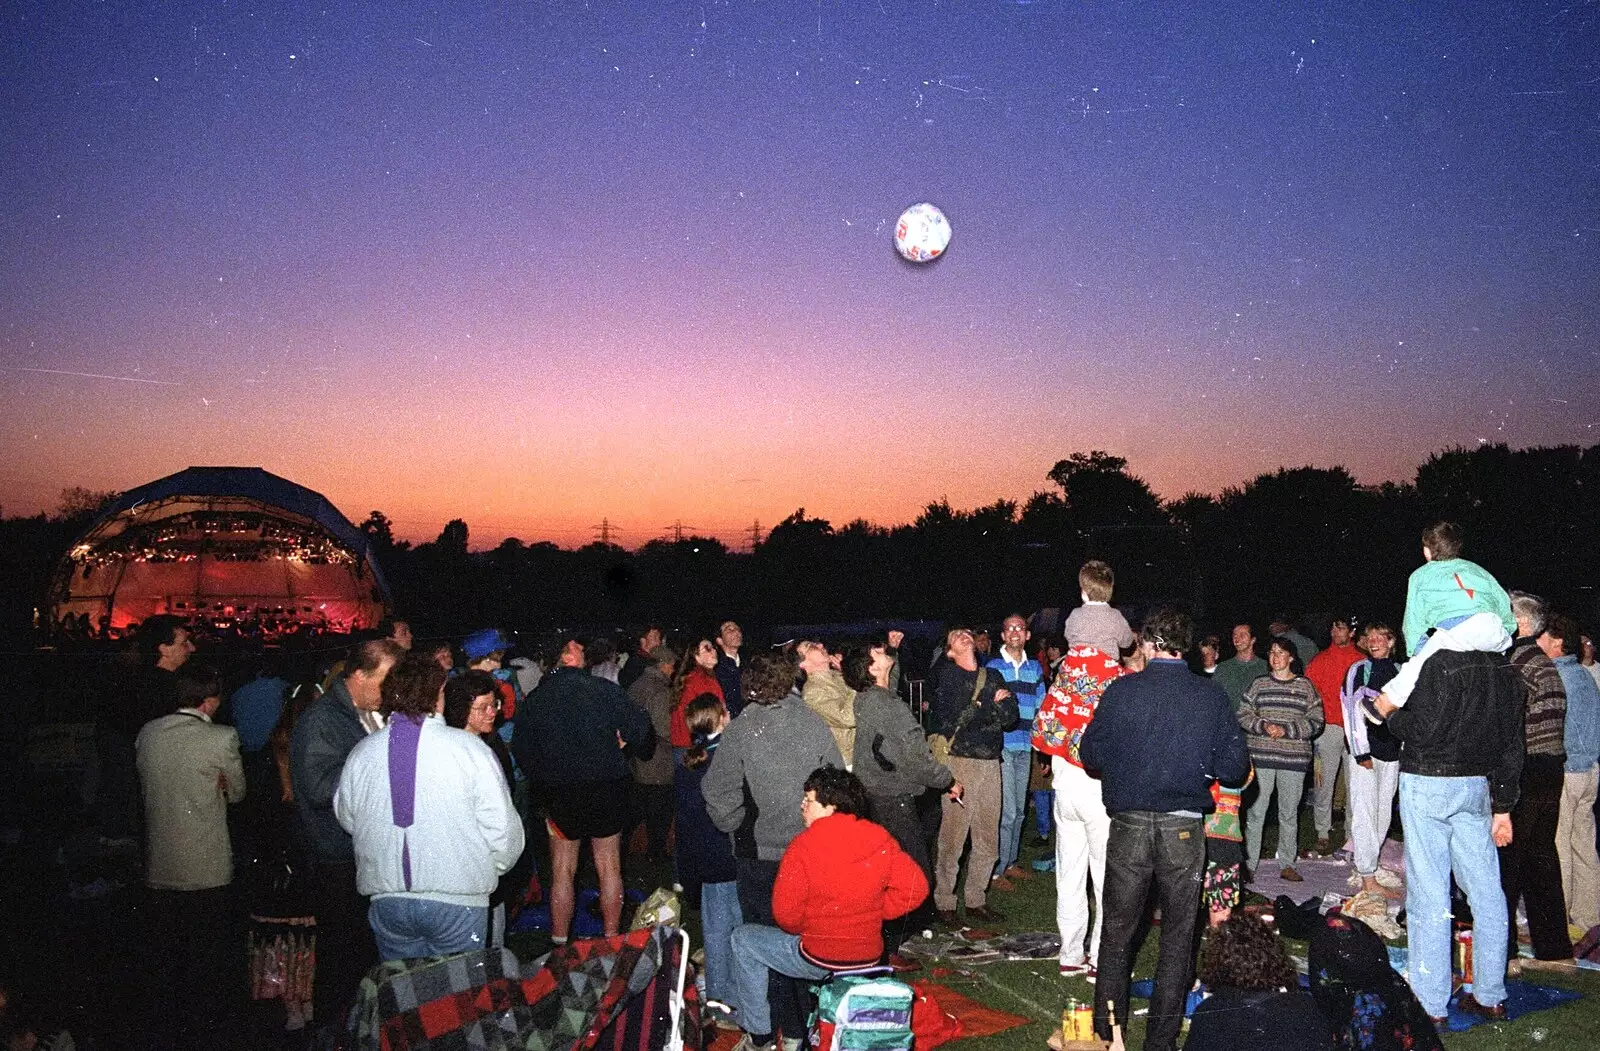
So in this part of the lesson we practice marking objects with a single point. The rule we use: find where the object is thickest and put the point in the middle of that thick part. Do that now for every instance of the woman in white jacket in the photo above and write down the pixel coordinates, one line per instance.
(432, 820)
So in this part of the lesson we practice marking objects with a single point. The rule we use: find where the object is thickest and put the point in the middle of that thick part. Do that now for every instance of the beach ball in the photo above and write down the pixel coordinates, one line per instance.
(922, 233)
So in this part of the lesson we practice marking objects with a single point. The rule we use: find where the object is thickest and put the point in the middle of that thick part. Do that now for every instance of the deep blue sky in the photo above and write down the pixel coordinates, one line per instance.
(539, 263)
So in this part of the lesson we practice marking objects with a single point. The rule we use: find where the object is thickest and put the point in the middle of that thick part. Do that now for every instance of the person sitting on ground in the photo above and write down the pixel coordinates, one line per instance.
(750, 790)
(838, 882)
(1256, 1000)
(1369, 1005)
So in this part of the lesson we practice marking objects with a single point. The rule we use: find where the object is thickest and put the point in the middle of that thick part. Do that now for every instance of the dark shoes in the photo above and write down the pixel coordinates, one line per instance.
(984, 914)
(948, 918)
(1469, 1005)
(1289, 874)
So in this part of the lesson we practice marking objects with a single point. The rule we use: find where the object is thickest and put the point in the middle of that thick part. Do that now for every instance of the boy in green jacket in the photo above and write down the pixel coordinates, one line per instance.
(1463, 606)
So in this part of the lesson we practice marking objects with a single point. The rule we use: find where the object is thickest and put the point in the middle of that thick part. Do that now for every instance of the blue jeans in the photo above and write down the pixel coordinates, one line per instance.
(1447, 829)
(719, 915)
(1013, 804)
(1043, 800)
(756, 949)
(409, 928)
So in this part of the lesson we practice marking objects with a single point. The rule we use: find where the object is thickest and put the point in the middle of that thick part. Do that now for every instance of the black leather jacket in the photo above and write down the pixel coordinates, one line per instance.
(1464, 719)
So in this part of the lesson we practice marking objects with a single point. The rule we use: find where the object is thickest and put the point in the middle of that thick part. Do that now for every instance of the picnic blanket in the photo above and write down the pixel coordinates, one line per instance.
(1026, 945)
(611, 992)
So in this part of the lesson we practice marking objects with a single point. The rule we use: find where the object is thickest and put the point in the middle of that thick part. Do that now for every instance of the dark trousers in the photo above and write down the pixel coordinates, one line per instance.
(195, 966)
(790, 998)
(346, 950)
(117, 802)
(900, 818)
(653, 805)
(1530, 870)
(1171, 851)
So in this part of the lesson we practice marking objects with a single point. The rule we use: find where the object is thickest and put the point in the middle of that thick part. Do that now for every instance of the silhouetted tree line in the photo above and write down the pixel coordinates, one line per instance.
(1307, 541)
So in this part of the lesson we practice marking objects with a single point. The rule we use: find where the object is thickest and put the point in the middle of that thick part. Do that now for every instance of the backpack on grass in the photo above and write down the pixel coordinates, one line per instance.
(863, 1014)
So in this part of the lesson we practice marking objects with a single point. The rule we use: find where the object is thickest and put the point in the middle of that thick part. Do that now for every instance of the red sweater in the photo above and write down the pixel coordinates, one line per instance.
(698, 681)
(1326, 672)
(838, 881)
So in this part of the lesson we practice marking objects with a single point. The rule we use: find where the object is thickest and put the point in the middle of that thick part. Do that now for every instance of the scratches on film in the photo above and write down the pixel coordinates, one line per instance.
(92, 375)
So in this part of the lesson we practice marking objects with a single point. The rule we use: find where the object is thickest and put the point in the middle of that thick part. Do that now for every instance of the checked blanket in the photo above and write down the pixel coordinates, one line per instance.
(608, 994)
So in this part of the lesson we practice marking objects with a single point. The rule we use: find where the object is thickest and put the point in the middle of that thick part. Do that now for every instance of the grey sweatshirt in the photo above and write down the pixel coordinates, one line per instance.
(770, 749)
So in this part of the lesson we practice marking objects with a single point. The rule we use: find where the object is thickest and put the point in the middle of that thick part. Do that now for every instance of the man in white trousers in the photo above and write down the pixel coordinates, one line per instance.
(1082, 824)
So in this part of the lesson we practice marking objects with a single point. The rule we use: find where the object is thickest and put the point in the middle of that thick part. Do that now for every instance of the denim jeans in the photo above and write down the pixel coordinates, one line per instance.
(787, 1001)
(1171, 851)
(719, 915)
(1043, 800)
(1014, 770)
(1447, 829)
(756, 950)
(1289, 786)
(409, 928)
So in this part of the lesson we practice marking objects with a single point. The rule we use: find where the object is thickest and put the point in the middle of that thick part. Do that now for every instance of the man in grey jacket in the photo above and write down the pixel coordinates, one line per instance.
(894, 763)
(751, 790)
(190, 770)
(651, 690)
(334, 724)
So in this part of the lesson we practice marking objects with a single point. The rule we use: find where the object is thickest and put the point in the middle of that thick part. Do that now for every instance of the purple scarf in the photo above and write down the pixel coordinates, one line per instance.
(404, 733)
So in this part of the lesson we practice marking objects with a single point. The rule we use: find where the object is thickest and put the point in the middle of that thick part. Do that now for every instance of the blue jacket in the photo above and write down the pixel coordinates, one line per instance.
(1160, 737)
(1027, 682)
(705, 852)
(1583, 715)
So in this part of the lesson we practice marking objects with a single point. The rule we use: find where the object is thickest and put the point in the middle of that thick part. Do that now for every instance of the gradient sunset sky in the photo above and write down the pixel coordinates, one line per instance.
(539, 264)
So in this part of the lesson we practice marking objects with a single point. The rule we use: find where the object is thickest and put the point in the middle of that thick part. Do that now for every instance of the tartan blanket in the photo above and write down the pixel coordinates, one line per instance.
(605, 994)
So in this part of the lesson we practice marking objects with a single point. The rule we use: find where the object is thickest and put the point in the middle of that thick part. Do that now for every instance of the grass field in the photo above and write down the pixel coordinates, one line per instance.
(1034, 989)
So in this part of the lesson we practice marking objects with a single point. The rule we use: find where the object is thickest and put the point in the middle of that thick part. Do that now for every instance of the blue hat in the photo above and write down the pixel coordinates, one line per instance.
(482, 643)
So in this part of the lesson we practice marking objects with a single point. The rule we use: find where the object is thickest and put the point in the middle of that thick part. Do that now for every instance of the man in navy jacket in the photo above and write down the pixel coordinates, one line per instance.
(1158, 740)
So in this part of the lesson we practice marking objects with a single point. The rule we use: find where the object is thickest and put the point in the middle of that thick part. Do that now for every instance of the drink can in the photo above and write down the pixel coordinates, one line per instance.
(1069, 1021)
(1464, 955)
(1083, 1020)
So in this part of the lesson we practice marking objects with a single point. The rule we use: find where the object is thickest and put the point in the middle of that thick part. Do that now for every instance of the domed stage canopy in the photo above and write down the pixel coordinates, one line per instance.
(228, 549)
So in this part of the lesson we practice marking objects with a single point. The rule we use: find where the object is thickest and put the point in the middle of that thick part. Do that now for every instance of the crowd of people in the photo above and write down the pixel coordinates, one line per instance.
(817, 815)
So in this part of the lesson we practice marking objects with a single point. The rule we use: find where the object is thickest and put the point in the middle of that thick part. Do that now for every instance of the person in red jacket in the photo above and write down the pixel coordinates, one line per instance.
(838, 882)
(1326, 672)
